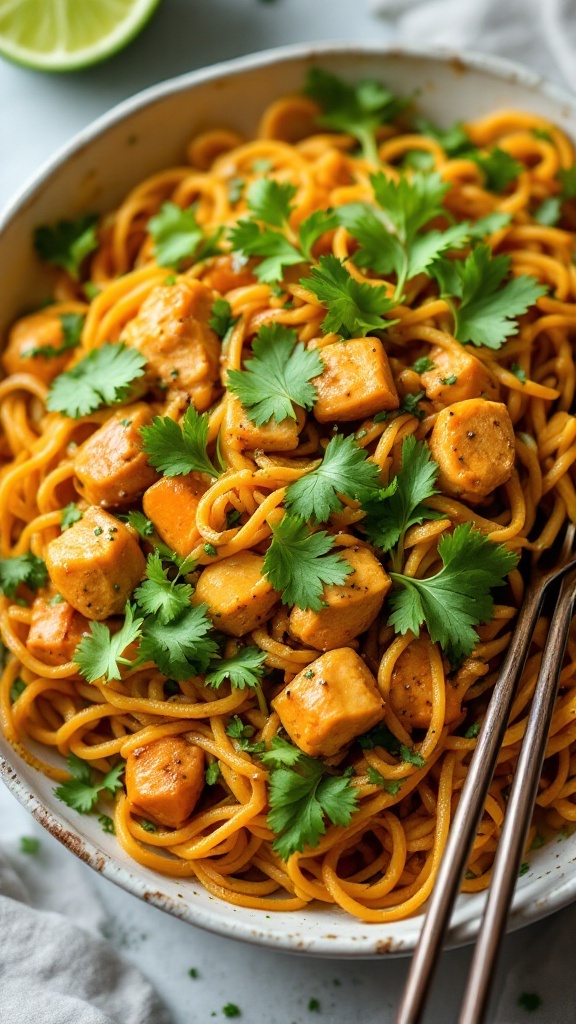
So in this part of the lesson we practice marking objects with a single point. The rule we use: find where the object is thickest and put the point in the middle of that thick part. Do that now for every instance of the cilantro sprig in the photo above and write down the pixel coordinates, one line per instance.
(268, 235)
(177, 449)
(344, 469)
(27, 568)
(391, 511)
(277, 378)
(390, 233)
(354, 308)
(298, 563)
(245, 668)
(81, 792)
(358, 110)
(458, 597)
(177, 236)
(103, 377)
(488, 309)
(303, 793)
(100, 652)
(68, 243)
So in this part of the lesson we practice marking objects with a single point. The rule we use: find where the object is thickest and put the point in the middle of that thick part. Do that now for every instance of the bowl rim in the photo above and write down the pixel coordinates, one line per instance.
(371, 945)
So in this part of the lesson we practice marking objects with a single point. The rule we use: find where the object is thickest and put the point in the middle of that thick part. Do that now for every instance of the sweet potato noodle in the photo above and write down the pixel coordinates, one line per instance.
(515, 486)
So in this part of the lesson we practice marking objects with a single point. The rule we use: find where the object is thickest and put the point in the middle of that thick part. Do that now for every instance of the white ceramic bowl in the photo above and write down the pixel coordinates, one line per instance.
(136, 139)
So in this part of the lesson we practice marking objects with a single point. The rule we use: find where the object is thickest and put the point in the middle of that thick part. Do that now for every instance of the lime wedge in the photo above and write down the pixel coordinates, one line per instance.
(62, 35)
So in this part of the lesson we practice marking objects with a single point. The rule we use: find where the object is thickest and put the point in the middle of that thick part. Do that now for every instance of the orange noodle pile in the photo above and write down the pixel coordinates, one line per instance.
(380, 866)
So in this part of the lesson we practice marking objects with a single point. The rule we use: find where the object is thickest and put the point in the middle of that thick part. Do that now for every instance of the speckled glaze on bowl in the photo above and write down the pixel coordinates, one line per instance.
(93, 172)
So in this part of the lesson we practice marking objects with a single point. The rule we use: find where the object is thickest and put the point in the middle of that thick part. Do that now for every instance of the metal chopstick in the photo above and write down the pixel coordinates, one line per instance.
(471, 803)
(519, 810)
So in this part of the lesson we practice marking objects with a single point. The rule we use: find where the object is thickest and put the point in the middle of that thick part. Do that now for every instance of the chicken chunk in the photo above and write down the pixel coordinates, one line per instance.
(473, 444)
(329, 703)
(238, 596)
(96, 564)
(173, 333)
(171, 504)
(467, 377)
(165, 778)
(111, 468)
(38, 330)
(357, 381)
(242, 433)
(350, 608)
(410, 694)
(223, 276)
(55, 631)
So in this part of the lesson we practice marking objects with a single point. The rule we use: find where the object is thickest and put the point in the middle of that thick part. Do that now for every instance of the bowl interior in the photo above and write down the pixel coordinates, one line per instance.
(92, 174)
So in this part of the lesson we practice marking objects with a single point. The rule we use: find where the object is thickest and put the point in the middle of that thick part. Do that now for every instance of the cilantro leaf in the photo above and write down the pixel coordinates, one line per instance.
(343, 470)
(489, 224)
(250, 239)
(301, 797)
(29, 845)
(393, 510)
(488, 309)
(242, 735)
(103, 377)
(412, 756)
(423, 365)
(390, 237)
(68, 243)
(313, 227)
(500, 169)
(107, 824)
(221, 320)
(354, 308)
(277, 378)
(391, 786)
(180, 648)
(137, 520)
(458, 597)
(298, 565)
(70, 514)
(380, 736)
(358, 110)
(80, 793)
(212, 773)
(454, 140)
(281, 753)
(158, 595)
(99, 652)
(245, 668)
(548, 212)
(271, 201)
(567, 178)
(177, 236)
(176, 449)
(27, 568)
(72, 325)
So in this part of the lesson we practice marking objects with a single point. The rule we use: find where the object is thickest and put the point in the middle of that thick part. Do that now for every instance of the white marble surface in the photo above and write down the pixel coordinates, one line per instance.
(37, 114)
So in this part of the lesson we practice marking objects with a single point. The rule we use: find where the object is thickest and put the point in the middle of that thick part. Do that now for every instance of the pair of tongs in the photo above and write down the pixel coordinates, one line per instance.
(520, 803)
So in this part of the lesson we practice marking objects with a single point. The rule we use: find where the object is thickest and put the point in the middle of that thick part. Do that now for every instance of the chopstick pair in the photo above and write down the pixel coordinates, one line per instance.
(520, 803)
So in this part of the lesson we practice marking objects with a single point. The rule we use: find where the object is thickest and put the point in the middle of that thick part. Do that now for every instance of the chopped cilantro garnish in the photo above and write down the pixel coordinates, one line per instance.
(358, 110)
(70, 514)
(458, 597)
(298, 563)
(277, 378)
(212, 773)
(392, 786)
(176, 449)
(488, 308)
(17, 688)
(343, 470)
(29, 845)
(177, 236)
(103, 377)
(499, 168)
(27, 568)
(245, 668)
(107, 824)
(354, 308)
(303, 793)
(81, 793)
(68, 243)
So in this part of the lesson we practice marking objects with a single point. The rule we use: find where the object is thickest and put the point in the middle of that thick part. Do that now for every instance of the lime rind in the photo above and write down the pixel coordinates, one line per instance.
(66, 35)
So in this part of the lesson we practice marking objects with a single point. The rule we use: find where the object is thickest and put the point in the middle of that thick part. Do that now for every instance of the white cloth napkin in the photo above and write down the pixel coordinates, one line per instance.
(538, 33)
(54, 967)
